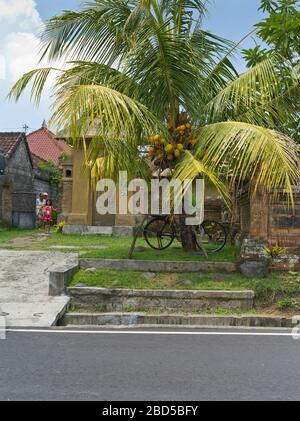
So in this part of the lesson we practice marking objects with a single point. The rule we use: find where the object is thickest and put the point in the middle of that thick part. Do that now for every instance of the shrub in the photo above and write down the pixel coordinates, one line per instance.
(286, 303)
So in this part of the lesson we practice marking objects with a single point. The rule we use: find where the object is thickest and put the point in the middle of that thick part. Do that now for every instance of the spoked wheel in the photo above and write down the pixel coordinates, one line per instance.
(211, 236)
(159, 234)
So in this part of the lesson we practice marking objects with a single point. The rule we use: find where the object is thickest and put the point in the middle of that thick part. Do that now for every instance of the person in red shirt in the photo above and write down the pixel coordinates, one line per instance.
(47, 215)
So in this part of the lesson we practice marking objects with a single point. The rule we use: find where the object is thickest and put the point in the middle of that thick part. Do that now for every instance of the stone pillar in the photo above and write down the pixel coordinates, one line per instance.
(81, 192)
(257, 234)
(66, 199)
(259, 215)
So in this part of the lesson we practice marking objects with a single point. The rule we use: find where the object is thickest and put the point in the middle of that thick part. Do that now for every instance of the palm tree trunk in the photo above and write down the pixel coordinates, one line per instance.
(187, 235)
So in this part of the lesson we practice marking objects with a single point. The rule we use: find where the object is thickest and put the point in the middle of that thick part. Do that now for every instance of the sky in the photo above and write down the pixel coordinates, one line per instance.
(20, 25)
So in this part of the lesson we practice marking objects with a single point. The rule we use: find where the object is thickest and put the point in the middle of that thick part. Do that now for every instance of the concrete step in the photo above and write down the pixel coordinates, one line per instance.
(116, 299)
(171, 320)
(159, 265)
(98, 231)
(120, 231)
(33, 314)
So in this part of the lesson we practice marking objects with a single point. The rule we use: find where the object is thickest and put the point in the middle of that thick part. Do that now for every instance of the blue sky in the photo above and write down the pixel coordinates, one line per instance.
(20, 21)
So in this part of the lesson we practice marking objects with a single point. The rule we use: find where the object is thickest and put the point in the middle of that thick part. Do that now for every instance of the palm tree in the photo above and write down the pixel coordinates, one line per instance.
(142, 67)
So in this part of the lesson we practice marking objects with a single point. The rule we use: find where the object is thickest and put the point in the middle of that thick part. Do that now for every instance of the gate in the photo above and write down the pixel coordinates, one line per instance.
(23, 215)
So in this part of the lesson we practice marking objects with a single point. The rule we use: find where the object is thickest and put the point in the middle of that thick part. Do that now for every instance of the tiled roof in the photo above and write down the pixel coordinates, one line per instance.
(43, 144)
(9, 141)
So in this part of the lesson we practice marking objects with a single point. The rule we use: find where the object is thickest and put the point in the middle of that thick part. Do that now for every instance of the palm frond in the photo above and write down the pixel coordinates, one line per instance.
(257, 86)
(38, 78)
(104, 111)
(242, 151)
(190, 168)
(96, 33)
(113, 157)
(91, 73)
(276, 111)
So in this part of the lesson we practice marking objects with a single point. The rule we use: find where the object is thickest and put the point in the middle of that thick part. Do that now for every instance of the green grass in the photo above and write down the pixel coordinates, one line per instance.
(116, 247)
(275, 285)
(204, 312)
(7, 235)
(279, 293)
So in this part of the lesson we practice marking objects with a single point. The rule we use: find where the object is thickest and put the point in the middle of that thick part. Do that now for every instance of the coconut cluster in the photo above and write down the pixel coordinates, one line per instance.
(171, 149)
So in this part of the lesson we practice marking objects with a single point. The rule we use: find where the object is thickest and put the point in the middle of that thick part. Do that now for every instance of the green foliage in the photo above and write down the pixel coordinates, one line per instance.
(54, 217)
(63, 157)
(54, 171)
(136, 65)
(256, 55)
(286, 303)
(280, 30)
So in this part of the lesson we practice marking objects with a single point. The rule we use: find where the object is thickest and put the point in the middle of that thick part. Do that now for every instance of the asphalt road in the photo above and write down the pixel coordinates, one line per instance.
(137, 366)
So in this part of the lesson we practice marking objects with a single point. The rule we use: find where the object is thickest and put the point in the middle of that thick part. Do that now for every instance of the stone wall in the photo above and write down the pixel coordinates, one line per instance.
(18, 199)
(137, 300)
(43, 184)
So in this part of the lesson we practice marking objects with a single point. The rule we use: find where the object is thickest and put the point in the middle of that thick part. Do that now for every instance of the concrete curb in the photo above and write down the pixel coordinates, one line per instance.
(149, 320)
(180, 300)
(120, 231)
(59, 279)
(158, 266)
(61, 314)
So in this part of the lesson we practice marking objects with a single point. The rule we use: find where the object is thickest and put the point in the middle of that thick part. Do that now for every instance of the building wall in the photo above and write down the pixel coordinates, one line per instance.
(271, 221)
(42, 184)
(284, 224)
(79, 198)
(82, 209)
(17, 194)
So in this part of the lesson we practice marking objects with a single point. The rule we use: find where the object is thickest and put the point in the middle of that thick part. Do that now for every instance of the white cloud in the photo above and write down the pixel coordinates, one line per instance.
(21, 53)
(22, 12)
(20, 25)
(2, 67)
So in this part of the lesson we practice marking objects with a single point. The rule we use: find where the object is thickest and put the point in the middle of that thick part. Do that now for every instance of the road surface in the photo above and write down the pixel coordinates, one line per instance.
(61, 364)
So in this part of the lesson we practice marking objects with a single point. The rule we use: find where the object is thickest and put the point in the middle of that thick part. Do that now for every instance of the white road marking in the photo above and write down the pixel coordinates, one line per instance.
(127, 332)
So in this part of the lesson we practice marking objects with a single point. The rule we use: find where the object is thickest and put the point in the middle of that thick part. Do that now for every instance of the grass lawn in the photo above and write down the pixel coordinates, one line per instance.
(277, 292)
(7, 235)
(115, 247)
(118, 248)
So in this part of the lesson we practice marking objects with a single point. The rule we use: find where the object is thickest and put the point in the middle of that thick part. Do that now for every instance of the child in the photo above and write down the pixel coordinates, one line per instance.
(40, 203)
(47, 215)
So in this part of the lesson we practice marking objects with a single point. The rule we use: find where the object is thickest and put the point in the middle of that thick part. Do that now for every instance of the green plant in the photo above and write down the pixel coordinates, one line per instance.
(280, 32)
(275, 251)
(54, 171)
(62, 158)
(59, 227)
(54, 216)
(286, 303)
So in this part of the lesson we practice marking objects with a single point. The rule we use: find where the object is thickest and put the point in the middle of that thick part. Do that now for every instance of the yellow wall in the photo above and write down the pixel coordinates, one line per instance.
(81, 195)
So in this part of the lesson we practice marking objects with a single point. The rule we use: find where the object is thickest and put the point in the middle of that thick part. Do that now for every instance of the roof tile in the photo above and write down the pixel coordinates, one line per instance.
(9, 142)
(43, 144)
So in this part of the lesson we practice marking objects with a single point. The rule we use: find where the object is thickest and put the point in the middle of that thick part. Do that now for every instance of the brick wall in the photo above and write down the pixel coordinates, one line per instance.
(271, 221)
(284, 224)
